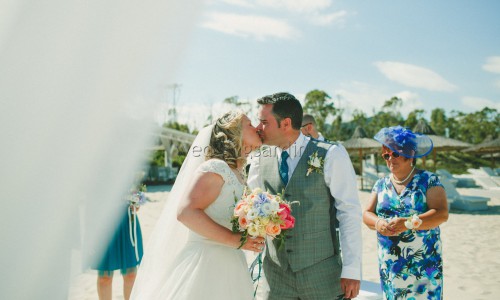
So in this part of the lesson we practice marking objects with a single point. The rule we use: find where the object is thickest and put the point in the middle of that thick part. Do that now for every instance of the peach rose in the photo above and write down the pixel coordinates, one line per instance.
(243, 221)
(273, 229)
(416, 223)
(239, 210)
(413, 222)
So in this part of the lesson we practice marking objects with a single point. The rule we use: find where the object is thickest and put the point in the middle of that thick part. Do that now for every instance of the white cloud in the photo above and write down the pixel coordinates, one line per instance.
(478, 103)
(326, 19)
(497, 83)
(411, 102)
(359, 96)
(414, 76)
(257, 27)
(299, 6)
(195, 116)
(242, 3)
(313, 11)
(369, 99)
(492, 64)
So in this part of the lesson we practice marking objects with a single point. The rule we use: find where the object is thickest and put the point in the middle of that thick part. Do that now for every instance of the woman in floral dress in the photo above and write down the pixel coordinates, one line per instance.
(406, 209)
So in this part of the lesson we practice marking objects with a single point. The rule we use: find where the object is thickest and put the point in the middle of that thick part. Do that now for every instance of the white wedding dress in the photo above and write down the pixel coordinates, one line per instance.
(204, 269)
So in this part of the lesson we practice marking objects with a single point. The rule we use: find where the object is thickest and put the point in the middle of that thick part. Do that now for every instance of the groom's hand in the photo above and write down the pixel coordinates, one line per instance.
(350, 287)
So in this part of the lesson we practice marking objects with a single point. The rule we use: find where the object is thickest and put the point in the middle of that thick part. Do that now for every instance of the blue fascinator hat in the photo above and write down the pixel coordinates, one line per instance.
(404, 141)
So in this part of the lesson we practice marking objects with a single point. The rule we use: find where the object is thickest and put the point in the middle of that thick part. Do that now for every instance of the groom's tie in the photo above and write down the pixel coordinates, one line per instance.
(284, 167)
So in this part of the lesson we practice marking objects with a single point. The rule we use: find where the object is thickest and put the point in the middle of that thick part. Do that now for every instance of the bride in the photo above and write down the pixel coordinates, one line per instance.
(192, 253)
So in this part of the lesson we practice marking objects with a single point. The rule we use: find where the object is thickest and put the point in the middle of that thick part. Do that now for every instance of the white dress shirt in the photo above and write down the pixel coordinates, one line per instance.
(341, 179)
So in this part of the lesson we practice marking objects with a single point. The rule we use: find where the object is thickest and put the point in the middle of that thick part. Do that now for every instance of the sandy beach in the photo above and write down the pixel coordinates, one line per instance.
(470, 244)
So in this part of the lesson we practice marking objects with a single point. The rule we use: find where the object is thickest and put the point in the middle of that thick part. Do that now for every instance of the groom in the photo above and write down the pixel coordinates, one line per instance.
(309, 265)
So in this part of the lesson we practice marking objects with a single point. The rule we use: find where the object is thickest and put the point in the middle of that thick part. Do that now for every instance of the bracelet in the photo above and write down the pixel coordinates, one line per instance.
(376, 223)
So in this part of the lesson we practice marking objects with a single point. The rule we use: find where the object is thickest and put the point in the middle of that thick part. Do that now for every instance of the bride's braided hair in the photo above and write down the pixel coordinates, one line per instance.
(226, 139)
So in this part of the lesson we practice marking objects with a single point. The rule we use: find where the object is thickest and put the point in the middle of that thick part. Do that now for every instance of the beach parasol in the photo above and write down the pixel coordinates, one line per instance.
(440, 143)
(359, 142)
(489, 145)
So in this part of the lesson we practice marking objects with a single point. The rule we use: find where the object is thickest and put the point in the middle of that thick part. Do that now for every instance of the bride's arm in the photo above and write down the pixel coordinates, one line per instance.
(206, 188)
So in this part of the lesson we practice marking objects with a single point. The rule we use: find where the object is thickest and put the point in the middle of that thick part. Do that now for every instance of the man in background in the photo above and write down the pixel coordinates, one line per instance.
(308, 128)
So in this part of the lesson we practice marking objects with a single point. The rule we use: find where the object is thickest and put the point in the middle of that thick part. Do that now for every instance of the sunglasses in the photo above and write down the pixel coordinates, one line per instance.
(386, 156)
(305, 125)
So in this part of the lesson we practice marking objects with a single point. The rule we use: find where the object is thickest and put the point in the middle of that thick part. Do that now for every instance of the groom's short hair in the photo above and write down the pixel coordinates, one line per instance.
(285, 105)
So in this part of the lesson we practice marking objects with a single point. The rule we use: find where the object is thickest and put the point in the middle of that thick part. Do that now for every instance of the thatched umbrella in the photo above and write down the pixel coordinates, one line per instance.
(360, 141)
(489, 145)
(441, 143)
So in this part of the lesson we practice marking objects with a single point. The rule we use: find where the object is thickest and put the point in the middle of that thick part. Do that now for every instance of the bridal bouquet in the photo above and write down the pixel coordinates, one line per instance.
(136, 197)
(262, 214)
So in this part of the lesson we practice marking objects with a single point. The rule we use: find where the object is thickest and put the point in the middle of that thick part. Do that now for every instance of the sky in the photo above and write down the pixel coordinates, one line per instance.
(432, 54)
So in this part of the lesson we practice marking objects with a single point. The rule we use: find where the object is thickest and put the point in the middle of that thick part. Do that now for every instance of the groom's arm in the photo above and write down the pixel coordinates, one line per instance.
(341, 179)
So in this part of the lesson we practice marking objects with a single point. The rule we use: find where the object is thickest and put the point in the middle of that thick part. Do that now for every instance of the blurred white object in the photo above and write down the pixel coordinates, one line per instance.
(369, 291)
(79, 81)
(485, 177)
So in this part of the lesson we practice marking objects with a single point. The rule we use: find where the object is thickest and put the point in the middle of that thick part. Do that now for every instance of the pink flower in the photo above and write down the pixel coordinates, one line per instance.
(284, 211)
(289, 222)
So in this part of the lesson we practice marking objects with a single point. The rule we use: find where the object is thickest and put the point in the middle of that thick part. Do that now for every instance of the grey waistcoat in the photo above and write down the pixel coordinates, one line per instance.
(313, 238)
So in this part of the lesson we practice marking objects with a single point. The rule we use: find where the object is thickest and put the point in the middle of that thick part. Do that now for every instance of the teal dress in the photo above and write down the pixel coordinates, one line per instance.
(120, 252)
(410, 264)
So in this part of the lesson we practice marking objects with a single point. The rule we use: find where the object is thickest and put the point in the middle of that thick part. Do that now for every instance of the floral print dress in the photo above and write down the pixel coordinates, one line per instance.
(410, 264)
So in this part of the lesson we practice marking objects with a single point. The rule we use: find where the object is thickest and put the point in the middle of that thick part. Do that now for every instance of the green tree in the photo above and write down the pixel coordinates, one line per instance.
(439, 121)
(388, 116)
(413, 118)
(359, 118)
(318, 103)
(393, 105)
(235, 101)
(475, 127)
(337, 132)
(177, 126)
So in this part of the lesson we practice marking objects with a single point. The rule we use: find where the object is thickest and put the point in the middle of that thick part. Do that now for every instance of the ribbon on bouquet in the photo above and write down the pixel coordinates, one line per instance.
(132, 229)
(255, 263)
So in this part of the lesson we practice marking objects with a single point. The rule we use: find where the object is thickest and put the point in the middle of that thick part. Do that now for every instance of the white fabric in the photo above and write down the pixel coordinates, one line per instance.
(82, 86)
(341, 179)
(180, 264)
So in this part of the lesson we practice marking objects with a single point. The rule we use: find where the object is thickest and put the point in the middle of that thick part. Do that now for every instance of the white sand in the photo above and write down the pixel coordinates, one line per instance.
(471, 244)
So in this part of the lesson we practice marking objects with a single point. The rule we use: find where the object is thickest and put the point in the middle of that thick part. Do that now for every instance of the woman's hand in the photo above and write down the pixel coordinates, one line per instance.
(255, 244)
(397, 225)
(383, 227)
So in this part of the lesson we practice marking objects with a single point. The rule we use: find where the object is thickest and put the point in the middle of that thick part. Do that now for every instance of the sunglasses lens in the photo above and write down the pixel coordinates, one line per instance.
(386, 156)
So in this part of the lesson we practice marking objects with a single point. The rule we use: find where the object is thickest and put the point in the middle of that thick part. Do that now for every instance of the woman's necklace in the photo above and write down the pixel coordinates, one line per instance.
(404, 180)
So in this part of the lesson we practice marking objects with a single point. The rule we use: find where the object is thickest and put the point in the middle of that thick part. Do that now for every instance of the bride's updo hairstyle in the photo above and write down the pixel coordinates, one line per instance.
(227, 139)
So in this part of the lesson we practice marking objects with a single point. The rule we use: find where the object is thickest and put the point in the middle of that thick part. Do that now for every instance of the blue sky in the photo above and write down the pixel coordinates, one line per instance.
(429, 53)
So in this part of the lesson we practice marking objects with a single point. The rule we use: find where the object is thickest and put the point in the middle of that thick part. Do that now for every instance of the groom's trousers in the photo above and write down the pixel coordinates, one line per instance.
(320, 281)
